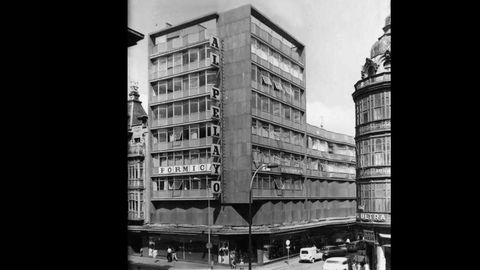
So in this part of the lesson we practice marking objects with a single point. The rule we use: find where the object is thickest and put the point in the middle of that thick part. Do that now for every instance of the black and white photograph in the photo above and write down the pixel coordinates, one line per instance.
(259, 134)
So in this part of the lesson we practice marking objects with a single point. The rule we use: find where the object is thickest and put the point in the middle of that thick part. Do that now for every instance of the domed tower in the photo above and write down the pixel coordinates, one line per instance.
(372, 137)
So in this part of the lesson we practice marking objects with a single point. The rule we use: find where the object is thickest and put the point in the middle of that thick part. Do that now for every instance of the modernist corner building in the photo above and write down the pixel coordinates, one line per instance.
(372, 106)
(227, 94)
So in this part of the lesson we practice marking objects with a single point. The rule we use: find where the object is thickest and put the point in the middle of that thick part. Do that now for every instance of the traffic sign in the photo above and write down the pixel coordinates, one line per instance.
(209, 245)
(216, 187)
(287, 242)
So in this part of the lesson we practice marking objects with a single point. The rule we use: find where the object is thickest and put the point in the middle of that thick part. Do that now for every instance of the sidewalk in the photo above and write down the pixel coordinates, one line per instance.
(162, 263)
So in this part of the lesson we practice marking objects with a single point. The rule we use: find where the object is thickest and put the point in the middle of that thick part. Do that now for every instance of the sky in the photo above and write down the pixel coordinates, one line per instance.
(337, 34)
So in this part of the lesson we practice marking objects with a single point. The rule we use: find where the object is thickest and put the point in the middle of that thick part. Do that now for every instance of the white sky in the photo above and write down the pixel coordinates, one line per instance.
(337, 34)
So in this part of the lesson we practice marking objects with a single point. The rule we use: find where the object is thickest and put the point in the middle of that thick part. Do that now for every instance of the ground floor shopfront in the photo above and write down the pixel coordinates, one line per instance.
(378, 246)
(266, 247)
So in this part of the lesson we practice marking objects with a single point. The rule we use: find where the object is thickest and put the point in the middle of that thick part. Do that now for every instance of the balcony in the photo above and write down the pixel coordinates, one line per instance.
(330, 156)
(277, 119)
(280, 95)
(277, 71)
(334, 175)
(333, 137)
(135, 184)
(380, 171)
(199, 194)
(277, 144)
(207, 141)
(177, 95)
(278, 45)
(136, 150)
(185, 41)
(383, 125)
(181, 120)
(378, 78)
(135, 215)
(180, 70)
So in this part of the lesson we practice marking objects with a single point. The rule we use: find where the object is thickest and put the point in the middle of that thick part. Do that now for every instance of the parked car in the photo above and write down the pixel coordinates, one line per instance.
(310, 254)
(336, 263)
(333, 251)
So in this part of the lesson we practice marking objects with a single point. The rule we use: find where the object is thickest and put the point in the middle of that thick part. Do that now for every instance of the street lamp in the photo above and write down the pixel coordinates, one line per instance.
(250, 212)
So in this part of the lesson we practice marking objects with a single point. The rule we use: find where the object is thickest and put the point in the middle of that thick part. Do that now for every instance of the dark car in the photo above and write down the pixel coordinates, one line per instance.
(333, 251)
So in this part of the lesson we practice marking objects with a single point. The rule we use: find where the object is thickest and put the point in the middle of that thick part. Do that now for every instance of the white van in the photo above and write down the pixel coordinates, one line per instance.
(310, 254)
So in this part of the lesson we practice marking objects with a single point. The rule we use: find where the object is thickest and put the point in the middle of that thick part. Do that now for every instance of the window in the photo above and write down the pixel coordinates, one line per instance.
(285, 135)
(296, 116)
(193, 53)
(155, 113)
(193, 105)
(162, 64)
(193, 132)
(276, 132)
(185, 85)
(186, 107)
(276, 108)
(203, 131)
(277, 84)
(265, 129)
(211, 77)
(265, 79)
(170, 110)
(162, 135)
(194, 156)
(177, 109)
(170, 64)
(185, 60)
(296, 92)
(177, 85)
(178, 132)
(201, 106)
(286, 111)
(178, 158)
(254, 73)
(194, 82)
(170, 86)
(265, 101)
(186, 133)
(202, 55)
(254, 127)
(177, 62)
(379, 151)
(201, 79)
(253, 100)
(162, 88)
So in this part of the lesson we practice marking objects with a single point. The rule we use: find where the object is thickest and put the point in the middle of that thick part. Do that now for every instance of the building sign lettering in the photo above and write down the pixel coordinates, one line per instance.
(216, 168)
(372, 217)
(185, 169)
(215, 93)
(215, 150)
(215, 112)
(368, 236)
(214, 42)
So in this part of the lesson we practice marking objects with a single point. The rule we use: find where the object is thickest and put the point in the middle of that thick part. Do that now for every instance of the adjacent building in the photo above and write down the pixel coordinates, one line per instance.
(227, 94)
(137, 141)
(373, 143)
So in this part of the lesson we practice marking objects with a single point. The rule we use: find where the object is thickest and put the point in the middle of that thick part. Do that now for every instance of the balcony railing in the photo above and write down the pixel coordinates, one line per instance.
(277, 144)
(378, 78)
(136, 150)
(277, 71)
(272, 193)
(135, 184)
(375, 126)
(277, 119)
(277, 44)
(207, 141)
(323, 174)
(374, 171)
(184, 41)
(201, 91)
(314, 131)
(207, 115)
(199, 194)
(330, 156)
(135, 215)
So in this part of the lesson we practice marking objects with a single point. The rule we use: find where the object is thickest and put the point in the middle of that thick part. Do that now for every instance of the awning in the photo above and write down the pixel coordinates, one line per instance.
(383, 235)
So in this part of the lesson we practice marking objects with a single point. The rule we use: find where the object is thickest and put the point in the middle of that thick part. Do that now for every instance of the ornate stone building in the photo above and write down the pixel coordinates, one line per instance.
(372, 99)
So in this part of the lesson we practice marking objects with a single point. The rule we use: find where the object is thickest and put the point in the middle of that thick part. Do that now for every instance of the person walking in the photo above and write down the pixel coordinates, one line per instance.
(174, 255)
(241, 264)
(169, 254)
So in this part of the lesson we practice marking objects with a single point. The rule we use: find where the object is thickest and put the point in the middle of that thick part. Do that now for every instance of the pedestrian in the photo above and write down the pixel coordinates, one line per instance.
(141, 252)
(154, 254)
(174, 254)
(242, 264)
(354, 265)
(169, 254)
(367, 267)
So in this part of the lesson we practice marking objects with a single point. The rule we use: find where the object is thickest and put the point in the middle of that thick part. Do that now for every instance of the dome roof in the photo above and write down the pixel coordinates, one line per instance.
(383, 43)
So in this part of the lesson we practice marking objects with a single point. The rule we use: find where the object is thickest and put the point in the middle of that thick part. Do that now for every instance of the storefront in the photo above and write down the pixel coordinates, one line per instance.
(265, 247)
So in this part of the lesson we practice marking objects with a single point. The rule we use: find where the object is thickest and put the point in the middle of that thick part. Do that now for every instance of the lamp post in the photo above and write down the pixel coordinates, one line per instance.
(250, 212)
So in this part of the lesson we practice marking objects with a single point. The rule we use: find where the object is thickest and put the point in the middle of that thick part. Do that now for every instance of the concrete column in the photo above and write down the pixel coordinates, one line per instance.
(381, 263)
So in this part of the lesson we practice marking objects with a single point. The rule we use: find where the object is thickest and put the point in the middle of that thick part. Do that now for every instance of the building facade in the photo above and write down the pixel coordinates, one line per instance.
(137, 142)
(372, 99)
(228, 95)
